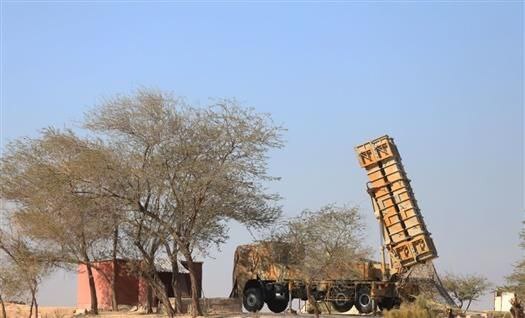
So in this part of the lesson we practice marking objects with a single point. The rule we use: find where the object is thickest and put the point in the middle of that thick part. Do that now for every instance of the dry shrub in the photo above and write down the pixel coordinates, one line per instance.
(57, 313)
(420, 308)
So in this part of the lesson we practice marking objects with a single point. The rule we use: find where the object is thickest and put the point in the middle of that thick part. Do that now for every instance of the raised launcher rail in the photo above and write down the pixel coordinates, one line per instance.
(405, 235)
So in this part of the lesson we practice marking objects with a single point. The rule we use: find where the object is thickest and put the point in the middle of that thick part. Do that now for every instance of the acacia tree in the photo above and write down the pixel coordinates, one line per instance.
(12, 285)
(9, 284)
(465, 288)
(188, 169)
(516, 280)
(326, 243)
(48, 179)
(25, 266)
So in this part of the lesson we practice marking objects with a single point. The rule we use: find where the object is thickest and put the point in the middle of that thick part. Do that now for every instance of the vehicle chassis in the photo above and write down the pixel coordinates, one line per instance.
(342, 294)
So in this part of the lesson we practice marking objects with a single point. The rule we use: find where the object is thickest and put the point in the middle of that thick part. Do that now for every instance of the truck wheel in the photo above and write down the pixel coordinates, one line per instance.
(342, 303)
(364, 302)
(277, 305)
(253, 299)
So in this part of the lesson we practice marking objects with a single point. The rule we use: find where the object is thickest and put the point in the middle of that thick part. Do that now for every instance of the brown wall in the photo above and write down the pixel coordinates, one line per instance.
(126, 285)
(131, 290)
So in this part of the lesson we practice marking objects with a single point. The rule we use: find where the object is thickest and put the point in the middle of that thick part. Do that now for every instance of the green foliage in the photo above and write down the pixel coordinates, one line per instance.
(465, 288)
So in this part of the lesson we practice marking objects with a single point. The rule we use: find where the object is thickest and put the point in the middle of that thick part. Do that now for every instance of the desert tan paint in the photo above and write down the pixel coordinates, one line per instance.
(258, 261)
(405, 235)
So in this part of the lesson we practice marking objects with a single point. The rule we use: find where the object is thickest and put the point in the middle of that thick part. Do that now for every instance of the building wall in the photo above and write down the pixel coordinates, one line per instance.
(126, 285)
(502, 300)
(131, 290)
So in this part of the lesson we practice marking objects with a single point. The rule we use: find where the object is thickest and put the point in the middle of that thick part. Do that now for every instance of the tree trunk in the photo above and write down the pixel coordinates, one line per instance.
(175, 286)
(149, 299)
(35, 302)
(162, 293)
(152, 277)
(172, 254)
(92, 290)
(31, 309)
(195, 305)
(290, 299)
(4, 313)
(311, 300)
(155, 282)
(468, 305)
(114, 303)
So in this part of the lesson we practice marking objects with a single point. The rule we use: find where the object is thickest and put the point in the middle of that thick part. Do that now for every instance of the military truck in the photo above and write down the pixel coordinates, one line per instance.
(259, 279)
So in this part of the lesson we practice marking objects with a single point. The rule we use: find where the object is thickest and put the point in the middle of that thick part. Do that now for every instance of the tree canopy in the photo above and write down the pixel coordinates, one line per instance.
(465, 288)
(151, 173)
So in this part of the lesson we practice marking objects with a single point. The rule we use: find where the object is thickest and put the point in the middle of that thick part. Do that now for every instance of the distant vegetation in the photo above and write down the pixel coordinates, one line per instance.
(465, 289)
(516, 280)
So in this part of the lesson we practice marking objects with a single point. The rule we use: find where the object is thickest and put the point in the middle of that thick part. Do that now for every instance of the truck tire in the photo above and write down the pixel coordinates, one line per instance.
(342, 302)
(342, 306)
(364, 302)
(277, 305)
(253, 299)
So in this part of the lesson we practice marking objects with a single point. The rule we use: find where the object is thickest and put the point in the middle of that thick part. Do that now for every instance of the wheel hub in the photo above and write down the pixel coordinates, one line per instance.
(364, 300)
(251, 300)
(340, 299)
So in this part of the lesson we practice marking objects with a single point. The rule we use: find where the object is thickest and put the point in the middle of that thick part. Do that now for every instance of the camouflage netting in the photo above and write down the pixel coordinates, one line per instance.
(425, 277)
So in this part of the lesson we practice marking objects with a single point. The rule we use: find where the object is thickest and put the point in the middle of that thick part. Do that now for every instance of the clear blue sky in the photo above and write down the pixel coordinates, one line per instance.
(445, 79)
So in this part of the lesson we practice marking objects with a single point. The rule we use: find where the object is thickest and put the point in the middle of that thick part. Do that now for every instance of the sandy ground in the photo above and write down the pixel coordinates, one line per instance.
(22, 311)
(243, 315)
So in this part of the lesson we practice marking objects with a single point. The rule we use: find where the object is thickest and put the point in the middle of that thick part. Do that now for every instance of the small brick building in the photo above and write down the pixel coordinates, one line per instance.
(131, 290)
